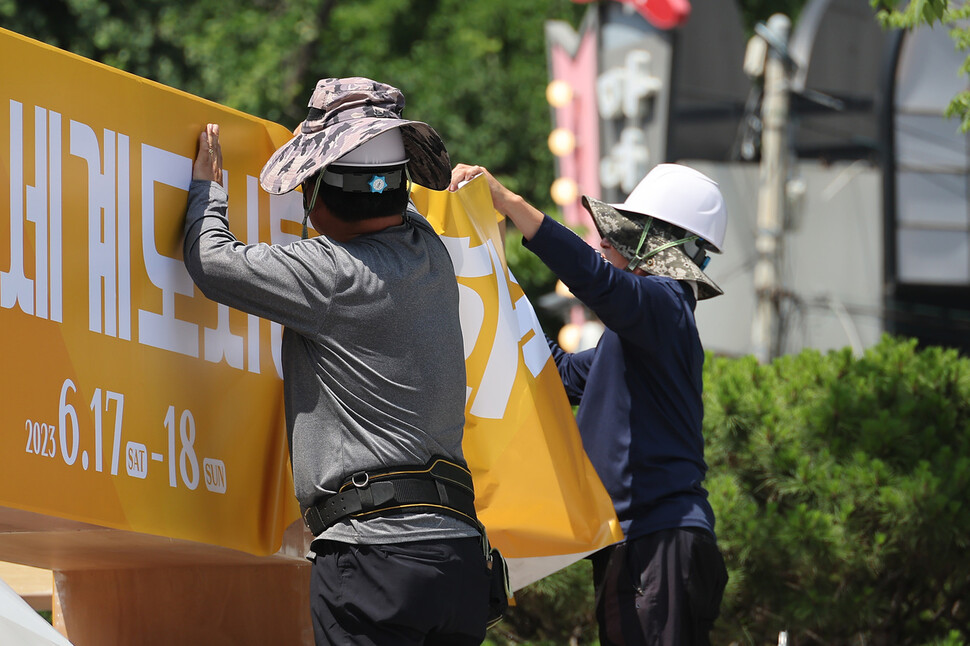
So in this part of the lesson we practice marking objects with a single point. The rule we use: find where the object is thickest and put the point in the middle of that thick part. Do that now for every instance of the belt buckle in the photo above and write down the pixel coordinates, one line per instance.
(309, 522)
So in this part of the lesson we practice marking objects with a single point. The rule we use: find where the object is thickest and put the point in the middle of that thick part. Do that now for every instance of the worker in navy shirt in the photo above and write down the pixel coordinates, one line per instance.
(639, 393)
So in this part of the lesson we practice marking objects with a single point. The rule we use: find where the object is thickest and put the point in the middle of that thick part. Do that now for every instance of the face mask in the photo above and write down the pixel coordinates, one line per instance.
(696, 251)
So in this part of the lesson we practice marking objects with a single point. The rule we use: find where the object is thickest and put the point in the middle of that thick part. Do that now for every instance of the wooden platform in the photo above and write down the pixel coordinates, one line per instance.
(107, 586)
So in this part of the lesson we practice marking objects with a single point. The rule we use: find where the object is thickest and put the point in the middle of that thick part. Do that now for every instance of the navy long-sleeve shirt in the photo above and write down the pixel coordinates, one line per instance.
(638, 390)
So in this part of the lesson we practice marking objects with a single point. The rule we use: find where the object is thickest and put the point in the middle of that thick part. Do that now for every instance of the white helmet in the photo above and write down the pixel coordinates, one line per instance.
(683, 197)
(386, 149)
(355, 171)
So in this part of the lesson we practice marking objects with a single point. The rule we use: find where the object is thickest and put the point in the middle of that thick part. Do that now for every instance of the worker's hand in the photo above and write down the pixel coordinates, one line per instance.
(208, 161)
(463, 173)
(525, 217)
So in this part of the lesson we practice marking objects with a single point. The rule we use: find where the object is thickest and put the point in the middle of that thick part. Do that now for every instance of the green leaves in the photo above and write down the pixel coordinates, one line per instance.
(475, 71)
(916, 12)
(930, 12)
(839, 486)
(556, 610)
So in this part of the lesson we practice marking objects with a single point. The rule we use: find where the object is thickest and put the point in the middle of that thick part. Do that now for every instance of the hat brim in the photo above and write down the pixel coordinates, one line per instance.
(308, 153)
(625, 208)
(622, 228)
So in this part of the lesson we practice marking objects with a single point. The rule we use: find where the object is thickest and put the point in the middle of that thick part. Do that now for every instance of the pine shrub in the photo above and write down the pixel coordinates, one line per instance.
(841, 491)
(841, 487)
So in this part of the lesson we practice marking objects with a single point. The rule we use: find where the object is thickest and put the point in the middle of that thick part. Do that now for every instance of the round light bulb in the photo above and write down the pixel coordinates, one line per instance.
(559, 94)
(568, 337)
(564, 191)
(562, 142)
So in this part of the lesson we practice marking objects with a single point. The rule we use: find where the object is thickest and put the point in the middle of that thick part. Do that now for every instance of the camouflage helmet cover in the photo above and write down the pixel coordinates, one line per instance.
(345, 113)
(623, 231)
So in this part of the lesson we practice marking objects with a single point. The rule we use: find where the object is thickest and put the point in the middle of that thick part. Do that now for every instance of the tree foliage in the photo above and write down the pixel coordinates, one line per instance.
(930, 12)
(841, 487)
(755, 11)
(554, 611)
(841, 491)
(475, 71)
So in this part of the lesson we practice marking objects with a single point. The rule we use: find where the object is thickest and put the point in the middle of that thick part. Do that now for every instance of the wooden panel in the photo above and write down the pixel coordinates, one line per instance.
(230, 604)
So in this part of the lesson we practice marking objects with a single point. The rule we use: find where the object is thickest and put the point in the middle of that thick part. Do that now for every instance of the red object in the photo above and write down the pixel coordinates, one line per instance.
(663, 14)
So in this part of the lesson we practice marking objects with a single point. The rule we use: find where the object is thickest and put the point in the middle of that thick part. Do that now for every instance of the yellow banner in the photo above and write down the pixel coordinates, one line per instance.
(131, 401)
(536, 491)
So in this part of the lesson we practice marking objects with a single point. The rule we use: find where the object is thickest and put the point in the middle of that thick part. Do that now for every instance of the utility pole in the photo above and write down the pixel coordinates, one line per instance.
(765, 329)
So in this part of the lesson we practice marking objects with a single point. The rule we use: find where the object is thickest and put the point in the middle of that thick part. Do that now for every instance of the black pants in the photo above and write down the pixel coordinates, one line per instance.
(422, 592)
(664, 589)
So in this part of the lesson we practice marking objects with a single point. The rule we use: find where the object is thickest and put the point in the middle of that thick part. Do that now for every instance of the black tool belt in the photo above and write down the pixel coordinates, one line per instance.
(440, 486)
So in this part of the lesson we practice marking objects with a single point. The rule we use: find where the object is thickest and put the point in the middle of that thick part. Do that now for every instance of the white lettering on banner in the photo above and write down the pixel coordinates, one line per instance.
(56, 228)
(469, 263)
(43, 209)
(74, 439)
(215, 475)
(535, 351)
(220, 342)
(15, 287)
(472, 314)
(164, 330)
(33, 282)
(137, 462)
(252, 237)
(512, 325)
(282, 208)
(109, 253)
(124, 239)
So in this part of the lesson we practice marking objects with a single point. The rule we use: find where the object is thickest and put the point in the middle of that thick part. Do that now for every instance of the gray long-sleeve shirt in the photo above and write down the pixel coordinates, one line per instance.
(373, 362)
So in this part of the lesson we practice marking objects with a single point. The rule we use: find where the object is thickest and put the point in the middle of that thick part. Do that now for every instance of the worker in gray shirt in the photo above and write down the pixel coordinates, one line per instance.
(373, 366)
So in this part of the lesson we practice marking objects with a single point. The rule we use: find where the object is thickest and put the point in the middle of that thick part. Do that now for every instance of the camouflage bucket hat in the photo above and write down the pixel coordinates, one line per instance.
(345, 113)
(624, 229)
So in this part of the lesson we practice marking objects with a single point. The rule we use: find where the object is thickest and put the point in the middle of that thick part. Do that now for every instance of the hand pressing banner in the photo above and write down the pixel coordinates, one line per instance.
(129, 400)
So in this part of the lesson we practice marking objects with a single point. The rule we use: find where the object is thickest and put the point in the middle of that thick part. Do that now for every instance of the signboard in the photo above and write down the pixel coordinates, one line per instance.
(131, 401)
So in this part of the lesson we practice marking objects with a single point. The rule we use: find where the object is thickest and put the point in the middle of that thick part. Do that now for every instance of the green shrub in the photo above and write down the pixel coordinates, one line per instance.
(840, 486)
(841, 492)
(555, 611)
